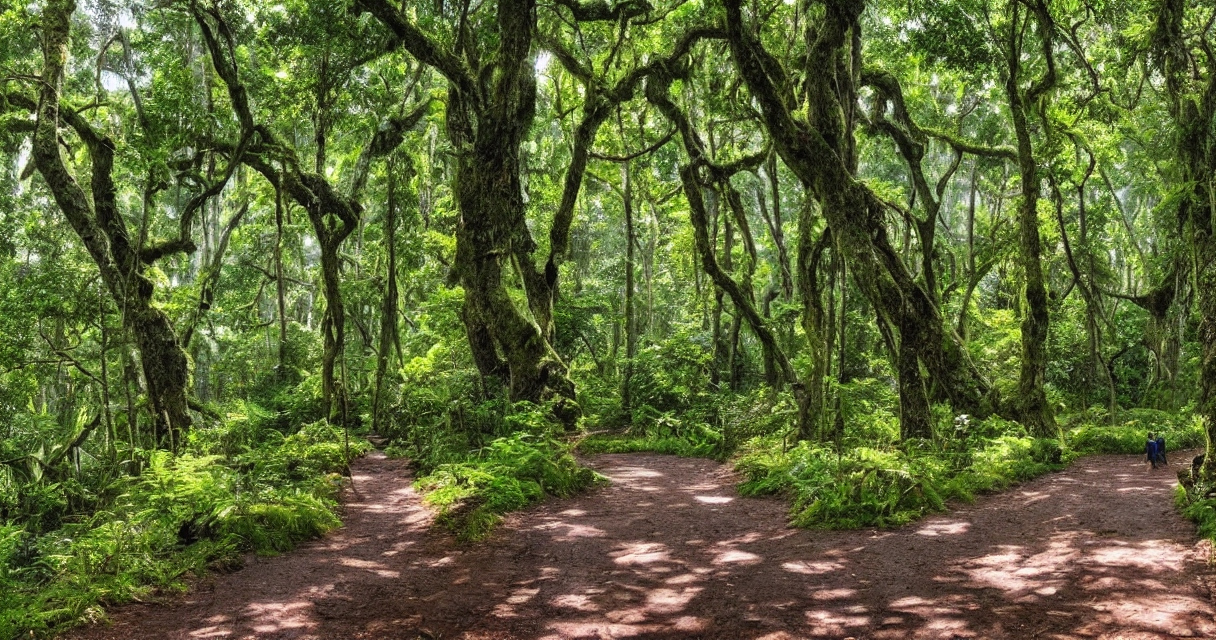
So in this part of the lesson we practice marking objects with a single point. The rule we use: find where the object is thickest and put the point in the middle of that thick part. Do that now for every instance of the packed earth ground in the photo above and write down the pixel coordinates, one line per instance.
(668, 549)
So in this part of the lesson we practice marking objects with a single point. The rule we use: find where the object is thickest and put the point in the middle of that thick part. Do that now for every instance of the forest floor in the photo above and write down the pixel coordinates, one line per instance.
(669, 549)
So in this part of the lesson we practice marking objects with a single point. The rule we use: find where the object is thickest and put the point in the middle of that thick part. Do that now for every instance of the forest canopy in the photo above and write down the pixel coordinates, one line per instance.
(237, 237)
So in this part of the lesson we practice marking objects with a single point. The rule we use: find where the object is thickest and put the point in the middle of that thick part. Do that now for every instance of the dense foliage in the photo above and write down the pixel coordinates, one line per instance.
(881, 254)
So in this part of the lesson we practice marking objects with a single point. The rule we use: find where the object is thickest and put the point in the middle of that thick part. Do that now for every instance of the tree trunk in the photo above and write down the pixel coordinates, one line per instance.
(280, 283)
(1203, 248)
(842, 374)
(103, 233)
(488, 115)
(776, 227)
(388, 302)
(631, 337)
(1032, 407)
(814, 323)
(488, 193)
(658, 93)
(821, 152)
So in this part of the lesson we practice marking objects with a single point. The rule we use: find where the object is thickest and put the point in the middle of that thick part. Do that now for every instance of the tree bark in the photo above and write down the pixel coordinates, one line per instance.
(1032, 406)
(488, 116)
(388, 301)
(104, 234)
(1192, 94)
(658, 93)
(820, 151)
(631, 332)
(280, 283)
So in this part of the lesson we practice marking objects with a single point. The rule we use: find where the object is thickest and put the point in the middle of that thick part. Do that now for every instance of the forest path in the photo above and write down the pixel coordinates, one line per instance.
(670, 550)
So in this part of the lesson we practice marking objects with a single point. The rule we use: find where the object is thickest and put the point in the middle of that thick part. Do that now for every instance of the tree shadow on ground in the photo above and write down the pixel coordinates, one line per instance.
(670, 550)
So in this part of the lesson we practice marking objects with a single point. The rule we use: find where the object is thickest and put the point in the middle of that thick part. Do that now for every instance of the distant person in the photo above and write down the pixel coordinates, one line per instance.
(1150, 451)
(1161, 450)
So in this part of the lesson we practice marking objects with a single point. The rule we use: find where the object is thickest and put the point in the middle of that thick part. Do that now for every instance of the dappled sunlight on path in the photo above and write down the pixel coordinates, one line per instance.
(670, 550)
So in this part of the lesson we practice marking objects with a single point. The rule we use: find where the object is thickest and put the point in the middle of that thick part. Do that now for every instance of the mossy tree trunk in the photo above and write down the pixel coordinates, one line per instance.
(1192, 94)
(699, 173)
(388, 302)
(491, 107)
(820, 151)
(630, 320)
(815, 323)
(1032, 407)
(489, 113)
(334, 215)
(103, 232)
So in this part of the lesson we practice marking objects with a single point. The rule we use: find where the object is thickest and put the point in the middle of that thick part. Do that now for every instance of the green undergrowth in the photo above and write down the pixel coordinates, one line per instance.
(1194, 496)
(712, 430)
(1197, 507)
(509, 474)
(888, 486)
(869, 477)
(648, 443)
(665, 435)
(1091, 432)
(477, 461)
(240, 486)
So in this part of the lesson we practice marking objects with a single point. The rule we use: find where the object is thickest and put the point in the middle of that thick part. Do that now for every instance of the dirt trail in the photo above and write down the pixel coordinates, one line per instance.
(670, 550)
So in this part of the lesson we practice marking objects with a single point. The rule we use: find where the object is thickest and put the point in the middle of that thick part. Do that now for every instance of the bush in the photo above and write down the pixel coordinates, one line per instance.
(508, 474)
(673, 376)
(863, 487)
(714, 432)
(1005, 461)
(664, 433)
(1089, 435)
(885, 487)
(239, 486)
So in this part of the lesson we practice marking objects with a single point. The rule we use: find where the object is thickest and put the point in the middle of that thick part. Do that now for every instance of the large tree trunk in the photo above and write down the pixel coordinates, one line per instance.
(1032, 407)
(492, 233)
(166, 370)
(104, 235)
(1193, 109)
(820, 151)
(490, 109)
(814, 323)
(333, 328)
(1203, 247)
(489, 195)
(489, 113)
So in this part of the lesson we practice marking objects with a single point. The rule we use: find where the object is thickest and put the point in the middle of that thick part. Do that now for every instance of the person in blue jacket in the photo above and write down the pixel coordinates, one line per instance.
(1161, 450)
(1150, 451)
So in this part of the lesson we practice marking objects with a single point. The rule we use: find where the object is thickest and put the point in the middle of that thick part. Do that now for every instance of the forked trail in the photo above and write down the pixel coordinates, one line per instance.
(670, 550)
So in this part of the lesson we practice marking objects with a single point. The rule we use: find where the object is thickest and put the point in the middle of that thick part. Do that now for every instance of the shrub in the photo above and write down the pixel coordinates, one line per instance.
(1087, 434)
(239, 486)
(664, 433)
(867, 486)
(509, 474)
